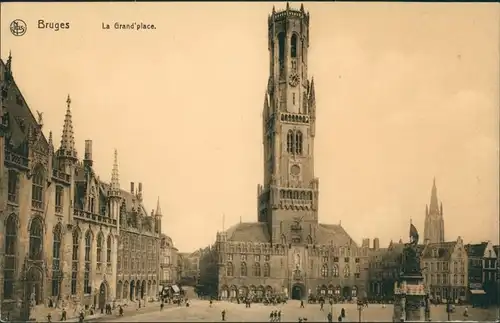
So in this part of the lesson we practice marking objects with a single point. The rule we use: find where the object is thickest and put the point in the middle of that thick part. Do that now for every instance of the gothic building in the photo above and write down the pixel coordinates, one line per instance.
(287, 250)
(434, 223)
(60, 224)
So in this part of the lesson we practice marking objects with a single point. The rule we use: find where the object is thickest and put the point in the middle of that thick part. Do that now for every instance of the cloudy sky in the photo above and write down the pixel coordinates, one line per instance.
(405, 92)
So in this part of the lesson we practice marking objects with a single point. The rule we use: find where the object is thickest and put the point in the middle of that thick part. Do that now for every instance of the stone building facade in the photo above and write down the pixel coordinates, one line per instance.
(482, 273)
(445, 270)
(287, 250)
(168, 261)
(138, 257)
(59, 223)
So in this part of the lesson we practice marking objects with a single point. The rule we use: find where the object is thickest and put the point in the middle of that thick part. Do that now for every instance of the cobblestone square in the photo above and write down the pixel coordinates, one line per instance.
(201, 311)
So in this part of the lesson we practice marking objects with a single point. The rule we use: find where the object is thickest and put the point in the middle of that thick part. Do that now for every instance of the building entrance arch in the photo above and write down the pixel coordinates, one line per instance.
(298, 291)
(103, 295)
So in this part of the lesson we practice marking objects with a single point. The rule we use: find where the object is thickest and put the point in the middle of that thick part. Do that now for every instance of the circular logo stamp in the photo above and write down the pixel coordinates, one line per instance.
(18, 27)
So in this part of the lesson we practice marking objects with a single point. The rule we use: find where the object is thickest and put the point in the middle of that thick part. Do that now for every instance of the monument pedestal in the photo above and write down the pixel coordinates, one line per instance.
(409, 295)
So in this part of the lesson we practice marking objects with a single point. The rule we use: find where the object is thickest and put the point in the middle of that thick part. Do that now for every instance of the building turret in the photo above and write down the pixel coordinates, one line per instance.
(114, 193)
(66, 153)
(158, 216)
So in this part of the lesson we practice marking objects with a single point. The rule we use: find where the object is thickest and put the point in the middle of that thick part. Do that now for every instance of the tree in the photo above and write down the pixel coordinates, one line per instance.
(209, 273)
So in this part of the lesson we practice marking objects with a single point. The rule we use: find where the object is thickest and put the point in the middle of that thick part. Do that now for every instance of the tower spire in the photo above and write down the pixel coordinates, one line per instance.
(434, 205)
(115, 176)
(158, 208)
(51, 143)
(67, 148)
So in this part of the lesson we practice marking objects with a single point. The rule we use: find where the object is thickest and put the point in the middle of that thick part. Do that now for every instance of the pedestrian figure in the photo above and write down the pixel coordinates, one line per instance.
(342, 313)
(466, 312)
(161, 306)
(210, 303)
(63, 314)
(321, 306)
(301, 304)
(300, 320)
(340, 318)
(279, 316)
(330, 317)
(81, 317)
(223, 315)
(120, 310)
(49, 318)
(271, 316)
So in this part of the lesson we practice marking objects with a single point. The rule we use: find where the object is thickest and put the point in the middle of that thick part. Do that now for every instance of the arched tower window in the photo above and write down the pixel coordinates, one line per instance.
(347, 271)
(99, 247)
(36, 242)
(75, 261)
(293, 46)
(289, 141)
(298, 142)
(229, 269)
(56, 259)
(87, 288)
(324, 271)
(281, 51)
(9, 268)
(256, 269)
(335, 271)
(108, 250)
(267, 270)
(281, 44)
(243, 269)
(37, 188)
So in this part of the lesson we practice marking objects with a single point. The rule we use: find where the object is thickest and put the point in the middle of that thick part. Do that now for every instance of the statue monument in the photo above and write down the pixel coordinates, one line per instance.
(409, 291)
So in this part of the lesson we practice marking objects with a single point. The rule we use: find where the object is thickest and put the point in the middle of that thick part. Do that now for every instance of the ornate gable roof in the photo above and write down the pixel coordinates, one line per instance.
(248, 232)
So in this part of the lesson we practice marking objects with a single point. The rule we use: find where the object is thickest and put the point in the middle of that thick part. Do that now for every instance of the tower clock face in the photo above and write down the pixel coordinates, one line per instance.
(295, 170)
(294, 79)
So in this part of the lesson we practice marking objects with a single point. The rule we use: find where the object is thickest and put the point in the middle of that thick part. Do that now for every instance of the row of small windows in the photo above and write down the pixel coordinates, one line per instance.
(325, 271)
(243, 257)
(137, 254)
(35, 253)
(289, 194)
(256, 270)
(443, 279)
(294, 142)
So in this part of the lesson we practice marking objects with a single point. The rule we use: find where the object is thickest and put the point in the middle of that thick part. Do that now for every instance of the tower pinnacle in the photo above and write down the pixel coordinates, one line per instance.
(115, 179)
(158, 208)
(434, 205)
(67, 148)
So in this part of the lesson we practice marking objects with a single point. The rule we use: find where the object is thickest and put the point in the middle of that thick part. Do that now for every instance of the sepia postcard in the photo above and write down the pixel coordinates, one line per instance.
(249, 161)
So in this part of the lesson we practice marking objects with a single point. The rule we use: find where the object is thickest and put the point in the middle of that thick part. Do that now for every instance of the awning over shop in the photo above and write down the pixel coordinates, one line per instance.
(176, 289)
(477, 292)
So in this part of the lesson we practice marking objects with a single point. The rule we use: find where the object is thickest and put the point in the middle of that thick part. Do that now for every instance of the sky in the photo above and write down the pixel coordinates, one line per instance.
(405, 92)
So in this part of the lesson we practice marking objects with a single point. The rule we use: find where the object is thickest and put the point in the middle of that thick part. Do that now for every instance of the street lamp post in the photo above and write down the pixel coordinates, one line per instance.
(360, 310)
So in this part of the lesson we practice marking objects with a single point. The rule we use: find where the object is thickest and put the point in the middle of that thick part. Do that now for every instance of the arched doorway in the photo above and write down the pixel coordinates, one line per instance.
(103, 295)
(34, 286)
(132, 287)
(298, 291)
(346, 292)
(143, 289)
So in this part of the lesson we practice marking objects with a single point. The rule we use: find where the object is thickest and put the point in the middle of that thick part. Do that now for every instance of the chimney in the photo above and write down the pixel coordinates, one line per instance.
(132, 188)
(376, 244)
(139, 194)
(87, 160)
(152, 212)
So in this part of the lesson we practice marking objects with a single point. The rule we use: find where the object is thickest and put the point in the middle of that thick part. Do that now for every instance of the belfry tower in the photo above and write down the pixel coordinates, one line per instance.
(288, 199)
(434, 222)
